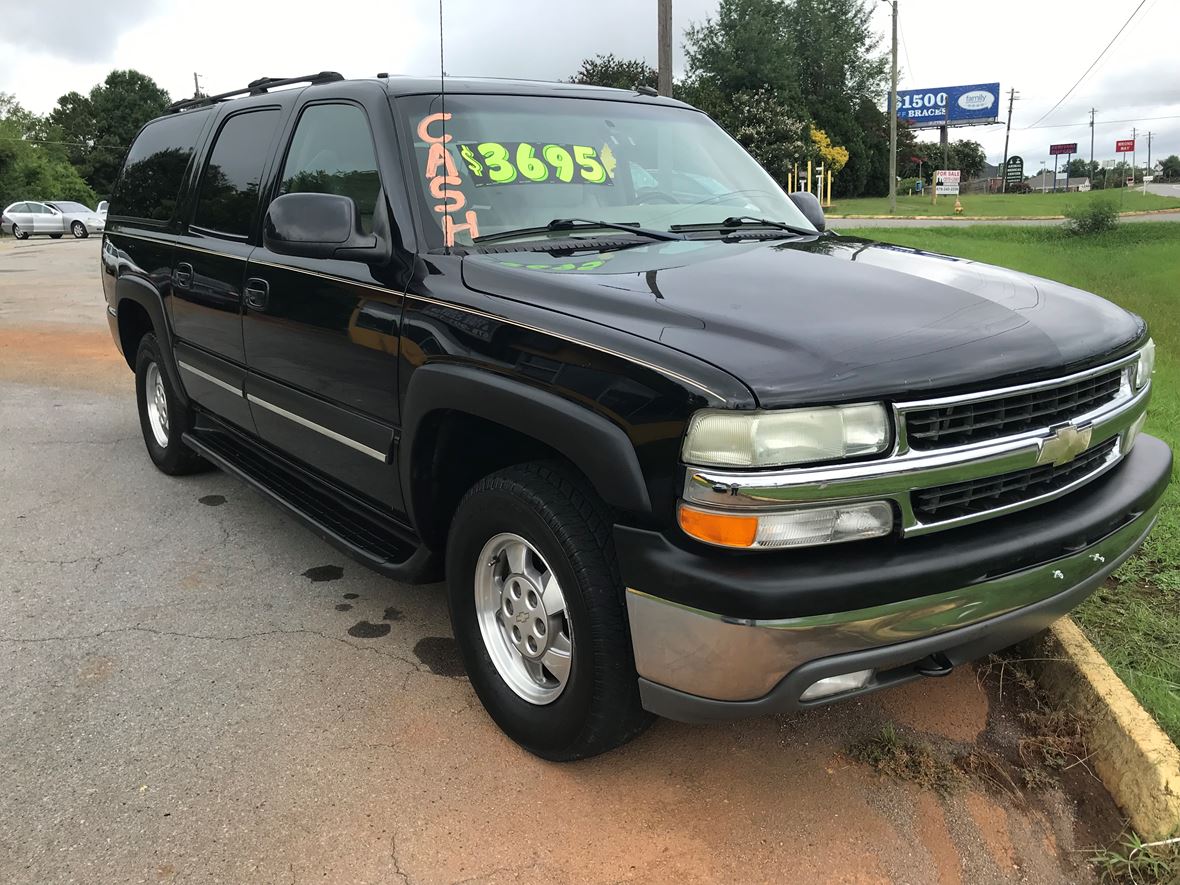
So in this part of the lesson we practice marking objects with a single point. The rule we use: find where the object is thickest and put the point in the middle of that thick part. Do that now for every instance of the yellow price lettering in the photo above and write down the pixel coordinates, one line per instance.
(529, 164)
(592, 170)
(559, 158)
(500, 168)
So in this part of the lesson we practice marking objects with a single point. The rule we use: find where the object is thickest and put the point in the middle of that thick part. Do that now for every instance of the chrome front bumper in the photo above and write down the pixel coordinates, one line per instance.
(685, 655)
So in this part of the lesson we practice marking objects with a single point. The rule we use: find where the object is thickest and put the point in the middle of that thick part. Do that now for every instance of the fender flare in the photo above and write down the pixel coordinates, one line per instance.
(130, 288)
(598, 447)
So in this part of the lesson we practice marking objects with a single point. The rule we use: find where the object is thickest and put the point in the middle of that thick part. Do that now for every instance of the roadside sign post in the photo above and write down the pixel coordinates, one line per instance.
(1056, 150)
(1126, 146)
(946, 182)
(1013, 172)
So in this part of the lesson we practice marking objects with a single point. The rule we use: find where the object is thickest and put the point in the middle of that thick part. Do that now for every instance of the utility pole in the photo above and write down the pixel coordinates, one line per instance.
(893, 121)
(664, 82)
(1007, 132)
(1092, 110)
(196, 85)
(1134, 132)
(1149, 153)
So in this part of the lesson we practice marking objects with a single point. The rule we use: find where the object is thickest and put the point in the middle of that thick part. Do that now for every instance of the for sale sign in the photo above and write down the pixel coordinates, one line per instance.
(946, 181)
(1058, 149)
(1124, 146)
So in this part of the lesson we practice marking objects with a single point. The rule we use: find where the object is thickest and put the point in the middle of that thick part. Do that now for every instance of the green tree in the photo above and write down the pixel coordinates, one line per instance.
(1170, 167)
(100, 126)
(617, 73)
(28, 169)
(746, 48)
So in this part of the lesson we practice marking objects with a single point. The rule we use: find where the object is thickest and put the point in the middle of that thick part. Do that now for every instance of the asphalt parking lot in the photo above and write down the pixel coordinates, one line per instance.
(196, 689)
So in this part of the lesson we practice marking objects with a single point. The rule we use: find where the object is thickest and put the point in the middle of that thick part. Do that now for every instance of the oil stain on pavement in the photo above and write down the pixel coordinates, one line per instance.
(324, 573)
(440, 654)
(212, 500)
(365, 630)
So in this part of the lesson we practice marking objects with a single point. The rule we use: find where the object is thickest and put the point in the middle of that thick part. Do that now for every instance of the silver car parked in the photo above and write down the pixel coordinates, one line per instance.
(53, 219)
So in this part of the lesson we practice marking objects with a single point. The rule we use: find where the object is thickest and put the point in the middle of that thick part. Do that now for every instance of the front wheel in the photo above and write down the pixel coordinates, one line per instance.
(162, 418)
(55, 236)
(538, 614)
(78, 229)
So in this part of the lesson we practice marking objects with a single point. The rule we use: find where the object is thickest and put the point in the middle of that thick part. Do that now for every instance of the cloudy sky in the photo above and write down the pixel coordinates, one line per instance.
(49, 49)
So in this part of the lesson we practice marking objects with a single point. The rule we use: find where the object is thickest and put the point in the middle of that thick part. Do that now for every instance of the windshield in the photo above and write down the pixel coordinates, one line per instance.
(66, 206)
(499, 163)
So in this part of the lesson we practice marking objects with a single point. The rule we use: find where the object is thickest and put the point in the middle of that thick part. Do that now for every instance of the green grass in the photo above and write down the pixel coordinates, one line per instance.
(1135, 620)
(1002, 204)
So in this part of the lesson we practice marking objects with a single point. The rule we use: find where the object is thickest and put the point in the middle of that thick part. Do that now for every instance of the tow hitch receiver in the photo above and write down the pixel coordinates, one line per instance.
(937, 664)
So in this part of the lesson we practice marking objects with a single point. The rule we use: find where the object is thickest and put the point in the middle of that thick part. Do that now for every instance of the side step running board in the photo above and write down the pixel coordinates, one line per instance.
(361, 531)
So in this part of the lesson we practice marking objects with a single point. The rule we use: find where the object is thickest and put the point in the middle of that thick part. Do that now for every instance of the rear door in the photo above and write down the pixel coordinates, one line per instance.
(209, 263)
(321, 336)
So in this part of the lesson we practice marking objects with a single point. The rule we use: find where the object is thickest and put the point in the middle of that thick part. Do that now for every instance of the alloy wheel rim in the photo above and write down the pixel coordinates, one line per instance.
(78, 230)
(157, 404)
(522, 617)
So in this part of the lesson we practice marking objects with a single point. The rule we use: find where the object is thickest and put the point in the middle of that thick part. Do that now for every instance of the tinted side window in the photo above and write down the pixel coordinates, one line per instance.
(149, 186)
(332, 153)
(229, 187)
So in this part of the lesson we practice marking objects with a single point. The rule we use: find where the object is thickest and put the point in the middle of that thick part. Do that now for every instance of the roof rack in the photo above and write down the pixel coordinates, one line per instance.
(255, 87)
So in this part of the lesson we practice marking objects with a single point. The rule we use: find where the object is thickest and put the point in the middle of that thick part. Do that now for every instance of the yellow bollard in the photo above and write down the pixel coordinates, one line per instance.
(828, 204)
(808, 176)
(958, 207)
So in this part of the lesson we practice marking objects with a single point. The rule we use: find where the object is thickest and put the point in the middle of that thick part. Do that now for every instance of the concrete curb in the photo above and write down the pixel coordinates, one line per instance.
(1135, 759)
(991, 217)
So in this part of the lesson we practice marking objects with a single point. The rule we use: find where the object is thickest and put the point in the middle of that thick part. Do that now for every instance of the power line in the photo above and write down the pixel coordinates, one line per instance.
(1092, 64)
(909, 66)
(1098, 123)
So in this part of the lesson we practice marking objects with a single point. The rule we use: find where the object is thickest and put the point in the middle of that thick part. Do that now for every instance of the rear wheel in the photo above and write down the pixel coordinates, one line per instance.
(18, 233)
(537, 611)
(162, 417)
(78, 229)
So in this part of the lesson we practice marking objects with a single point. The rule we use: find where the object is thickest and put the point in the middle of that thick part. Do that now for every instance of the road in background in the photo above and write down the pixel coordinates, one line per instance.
(197, 689)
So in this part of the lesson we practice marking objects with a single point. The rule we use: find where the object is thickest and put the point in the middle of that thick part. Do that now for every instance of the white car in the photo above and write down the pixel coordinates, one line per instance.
(53, 219)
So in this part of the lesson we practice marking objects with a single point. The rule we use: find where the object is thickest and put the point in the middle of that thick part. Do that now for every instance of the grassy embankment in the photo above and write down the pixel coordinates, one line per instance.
(991, 205)
(1135, 620)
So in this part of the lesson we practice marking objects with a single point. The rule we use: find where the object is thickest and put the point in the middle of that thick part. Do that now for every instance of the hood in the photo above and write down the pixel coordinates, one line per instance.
(825, 319)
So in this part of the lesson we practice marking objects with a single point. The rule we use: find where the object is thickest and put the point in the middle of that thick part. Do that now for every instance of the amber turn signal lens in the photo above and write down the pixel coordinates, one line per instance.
(726, 529)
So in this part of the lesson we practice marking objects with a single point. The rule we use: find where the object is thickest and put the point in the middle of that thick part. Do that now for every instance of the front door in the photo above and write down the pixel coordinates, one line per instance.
(46, 220)
(209, 265)
(321, 336)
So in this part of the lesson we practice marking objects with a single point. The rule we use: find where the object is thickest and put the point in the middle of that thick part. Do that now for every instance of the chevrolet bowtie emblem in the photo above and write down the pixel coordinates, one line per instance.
(1064, 443)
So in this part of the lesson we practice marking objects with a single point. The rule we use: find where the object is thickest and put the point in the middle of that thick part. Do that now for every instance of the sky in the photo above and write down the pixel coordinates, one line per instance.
(1041, 51)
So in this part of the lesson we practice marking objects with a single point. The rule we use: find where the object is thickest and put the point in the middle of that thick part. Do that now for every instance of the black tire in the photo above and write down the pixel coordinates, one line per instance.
(174, 458)
(556, 511)
(18, 233)
(78, 229)
(55, 236)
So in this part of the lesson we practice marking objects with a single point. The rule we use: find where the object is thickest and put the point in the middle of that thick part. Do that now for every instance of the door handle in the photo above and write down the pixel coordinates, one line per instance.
(182, 275)
(257, 293)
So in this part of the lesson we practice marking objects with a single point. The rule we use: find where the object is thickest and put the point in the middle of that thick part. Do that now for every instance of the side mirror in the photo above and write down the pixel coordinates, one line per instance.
(319, 226)
(809, 205)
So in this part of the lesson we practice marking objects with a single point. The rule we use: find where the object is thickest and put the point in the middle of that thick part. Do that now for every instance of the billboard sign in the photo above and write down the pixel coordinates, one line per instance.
(1014, 174)
(1058, 149)
(1124, 146)
(949, 105)
(946, 181)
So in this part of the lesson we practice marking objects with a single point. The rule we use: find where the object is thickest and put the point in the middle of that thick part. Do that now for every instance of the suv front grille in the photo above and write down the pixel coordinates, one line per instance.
(942, 503)
(962, 423)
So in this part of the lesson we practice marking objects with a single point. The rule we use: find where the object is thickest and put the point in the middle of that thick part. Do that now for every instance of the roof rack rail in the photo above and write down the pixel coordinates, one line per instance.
(255, 87)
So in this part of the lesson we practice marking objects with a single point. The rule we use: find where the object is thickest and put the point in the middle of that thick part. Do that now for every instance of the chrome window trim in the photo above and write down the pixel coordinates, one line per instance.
(896, 476)
(318, 428)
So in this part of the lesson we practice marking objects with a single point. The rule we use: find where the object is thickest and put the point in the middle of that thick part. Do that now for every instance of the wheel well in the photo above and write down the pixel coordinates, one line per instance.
(134, 323)
(451, 452)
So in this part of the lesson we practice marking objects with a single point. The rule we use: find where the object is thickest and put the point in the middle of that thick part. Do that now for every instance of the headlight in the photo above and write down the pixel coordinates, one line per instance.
(1146, 364)
(722, 438)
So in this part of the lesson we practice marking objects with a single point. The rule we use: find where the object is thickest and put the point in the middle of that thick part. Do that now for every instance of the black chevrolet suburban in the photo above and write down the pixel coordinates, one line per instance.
(676, 448)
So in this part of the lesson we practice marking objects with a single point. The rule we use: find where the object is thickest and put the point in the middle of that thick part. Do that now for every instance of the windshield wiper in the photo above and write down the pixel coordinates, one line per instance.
(735, 222)
(578, 225)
